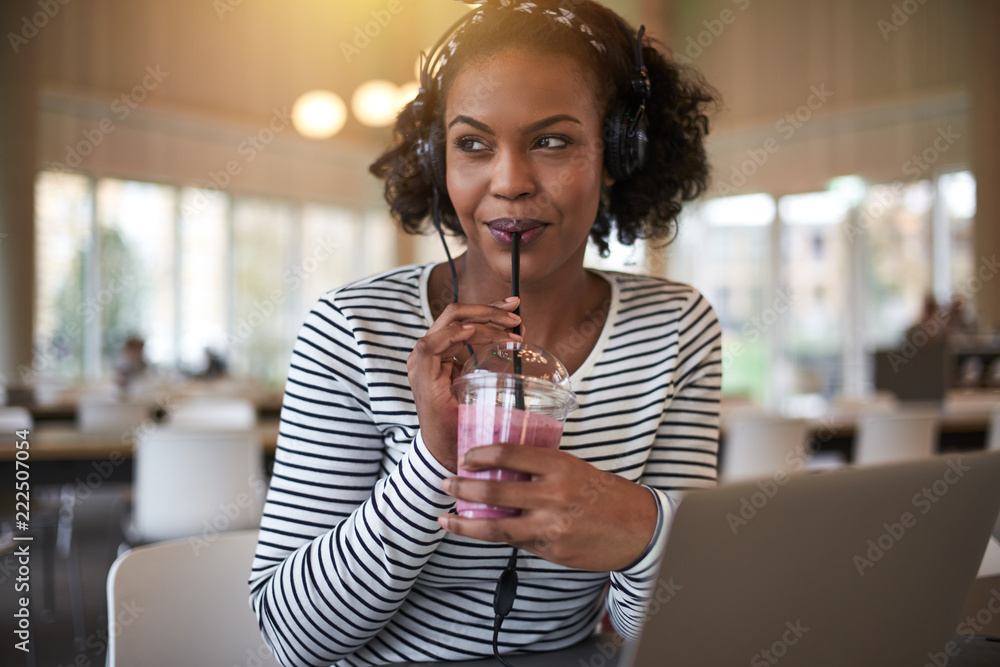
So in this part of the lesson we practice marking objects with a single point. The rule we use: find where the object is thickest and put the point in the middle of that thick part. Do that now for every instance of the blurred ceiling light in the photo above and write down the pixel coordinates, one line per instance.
(375, 103)
(319, 114)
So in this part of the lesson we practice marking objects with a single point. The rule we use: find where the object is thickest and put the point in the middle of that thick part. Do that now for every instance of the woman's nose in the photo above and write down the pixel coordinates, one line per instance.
(513, 175)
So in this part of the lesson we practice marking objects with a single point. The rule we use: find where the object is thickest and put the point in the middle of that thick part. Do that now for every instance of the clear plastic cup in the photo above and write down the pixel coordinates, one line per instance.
(509, 393)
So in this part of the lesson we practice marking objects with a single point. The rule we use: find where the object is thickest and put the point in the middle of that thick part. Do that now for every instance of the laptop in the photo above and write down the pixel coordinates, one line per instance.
(861, 566)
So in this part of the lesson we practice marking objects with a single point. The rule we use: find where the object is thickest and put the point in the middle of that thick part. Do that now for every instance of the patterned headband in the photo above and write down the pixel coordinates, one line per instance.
(563, 16)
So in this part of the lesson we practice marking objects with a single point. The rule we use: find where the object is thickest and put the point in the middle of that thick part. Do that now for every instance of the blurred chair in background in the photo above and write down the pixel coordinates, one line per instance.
(97, 415)
(993, 432)
(195, 482)
(193, 598)
(899, 436)
(758, 445)
(222, 412)
(12, 419)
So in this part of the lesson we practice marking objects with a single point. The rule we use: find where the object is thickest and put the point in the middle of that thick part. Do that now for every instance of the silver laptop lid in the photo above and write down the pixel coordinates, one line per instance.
(864, 566)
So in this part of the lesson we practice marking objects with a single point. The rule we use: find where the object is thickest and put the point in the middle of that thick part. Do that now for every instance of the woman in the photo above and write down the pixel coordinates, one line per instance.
(362, 559)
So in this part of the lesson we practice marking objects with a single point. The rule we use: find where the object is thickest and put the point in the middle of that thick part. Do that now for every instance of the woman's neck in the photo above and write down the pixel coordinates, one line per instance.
(554, 311)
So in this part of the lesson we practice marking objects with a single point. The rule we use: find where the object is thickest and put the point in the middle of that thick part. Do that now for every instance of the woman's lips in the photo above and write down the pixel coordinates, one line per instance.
(503, 230)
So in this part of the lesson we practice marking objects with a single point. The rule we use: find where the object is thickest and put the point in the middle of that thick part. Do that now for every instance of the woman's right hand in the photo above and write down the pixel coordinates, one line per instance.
(434, 362)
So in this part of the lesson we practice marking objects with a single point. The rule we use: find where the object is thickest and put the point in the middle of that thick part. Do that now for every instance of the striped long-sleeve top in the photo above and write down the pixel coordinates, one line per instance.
(352, 567)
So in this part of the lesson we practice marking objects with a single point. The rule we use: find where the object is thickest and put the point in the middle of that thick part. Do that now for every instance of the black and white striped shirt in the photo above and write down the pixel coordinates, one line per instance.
(352, 566)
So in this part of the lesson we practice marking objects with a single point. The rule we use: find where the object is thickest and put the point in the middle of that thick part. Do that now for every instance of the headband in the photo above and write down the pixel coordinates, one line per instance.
(563, 17)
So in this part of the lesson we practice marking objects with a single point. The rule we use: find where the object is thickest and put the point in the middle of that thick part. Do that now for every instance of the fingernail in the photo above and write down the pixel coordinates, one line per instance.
(511, 299)
(515, 316)
(446, 485)
(445, 521)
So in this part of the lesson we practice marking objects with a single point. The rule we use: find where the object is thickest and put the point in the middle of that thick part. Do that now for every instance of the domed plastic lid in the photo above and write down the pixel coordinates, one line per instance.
(534, 366)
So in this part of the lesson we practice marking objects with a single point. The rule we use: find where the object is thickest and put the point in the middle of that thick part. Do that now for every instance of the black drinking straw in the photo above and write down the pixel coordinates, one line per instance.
(515, 290)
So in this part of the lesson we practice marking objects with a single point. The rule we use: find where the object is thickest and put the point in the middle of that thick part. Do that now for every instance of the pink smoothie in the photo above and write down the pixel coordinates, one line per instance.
(480, 425)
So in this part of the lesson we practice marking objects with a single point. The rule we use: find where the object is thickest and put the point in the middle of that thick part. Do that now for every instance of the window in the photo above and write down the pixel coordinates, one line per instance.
(64, 211)
(186, 270)
(723, 248)
(135, 255)
(814, 267)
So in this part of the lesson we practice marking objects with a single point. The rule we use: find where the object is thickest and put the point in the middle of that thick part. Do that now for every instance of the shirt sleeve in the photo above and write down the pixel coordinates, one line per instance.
(344, 535)
(684, 456)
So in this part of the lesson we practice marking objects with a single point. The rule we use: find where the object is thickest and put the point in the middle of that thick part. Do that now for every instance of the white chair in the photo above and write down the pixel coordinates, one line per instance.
(185, 603)
(12, 419)
(759, 445)
(899, 436)
(96, 415)
(222, 412)
(195, 482)
(993, 433)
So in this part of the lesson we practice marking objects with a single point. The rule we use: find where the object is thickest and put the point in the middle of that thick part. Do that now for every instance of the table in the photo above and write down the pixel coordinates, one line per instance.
(61, 454)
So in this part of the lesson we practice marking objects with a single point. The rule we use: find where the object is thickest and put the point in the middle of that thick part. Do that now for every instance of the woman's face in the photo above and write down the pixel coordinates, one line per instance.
(524, 153)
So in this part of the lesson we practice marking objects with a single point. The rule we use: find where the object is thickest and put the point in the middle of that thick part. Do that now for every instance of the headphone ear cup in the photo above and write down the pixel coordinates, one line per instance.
(626, 140)
(612, 143)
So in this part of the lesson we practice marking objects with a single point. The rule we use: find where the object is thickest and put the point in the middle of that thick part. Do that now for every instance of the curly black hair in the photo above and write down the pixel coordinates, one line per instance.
(644, 206)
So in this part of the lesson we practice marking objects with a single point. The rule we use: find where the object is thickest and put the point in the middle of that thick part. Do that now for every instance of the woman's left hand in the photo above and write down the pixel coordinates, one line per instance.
(573, 514)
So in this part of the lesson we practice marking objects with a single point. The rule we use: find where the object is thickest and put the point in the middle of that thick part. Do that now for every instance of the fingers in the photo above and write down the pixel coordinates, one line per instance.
(532, 460)
(496, 315)
(513, 531)
(515, 495)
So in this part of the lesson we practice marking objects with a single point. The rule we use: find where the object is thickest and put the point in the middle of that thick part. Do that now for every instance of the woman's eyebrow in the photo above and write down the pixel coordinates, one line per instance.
(482, 127)
(533, 127)
(551, 120)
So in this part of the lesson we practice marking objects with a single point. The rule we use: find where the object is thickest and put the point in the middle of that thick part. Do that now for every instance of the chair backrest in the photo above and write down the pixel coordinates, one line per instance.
(216, 412)
(185, 602)
(759, 445)
(94, 415)
(14, 418)
(900, 436)
(993, 433)
(196, 482)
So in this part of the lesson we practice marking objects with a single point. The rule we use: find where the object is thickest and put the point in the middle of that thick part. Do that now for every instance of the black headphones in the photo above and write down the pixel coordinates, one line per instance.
(626, 127)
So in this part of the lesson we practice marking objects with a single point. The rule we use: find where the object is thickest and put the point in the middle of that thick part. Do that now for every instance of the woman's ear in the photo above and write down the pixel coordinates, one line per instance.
(607, 180)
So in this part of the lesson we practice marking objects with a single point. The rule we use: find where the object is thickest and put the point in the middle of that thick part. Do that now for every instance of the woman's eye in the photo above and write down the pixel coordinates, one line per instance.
(469, 144)
(553, 142)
